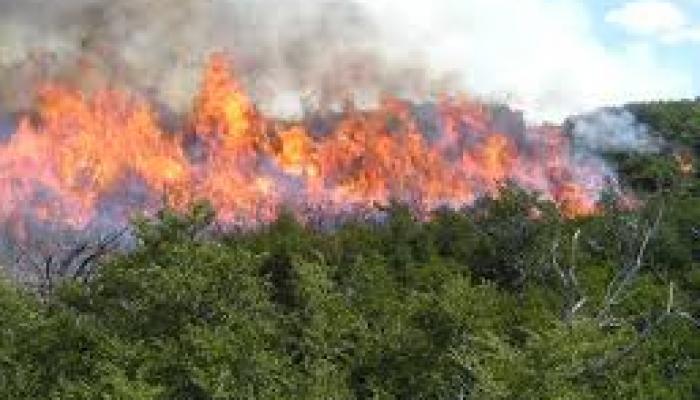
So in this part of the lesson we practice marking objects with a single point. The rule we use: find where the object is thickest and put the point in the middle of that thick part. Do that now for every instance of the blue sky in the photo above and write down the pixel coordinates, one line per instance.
(682, 56)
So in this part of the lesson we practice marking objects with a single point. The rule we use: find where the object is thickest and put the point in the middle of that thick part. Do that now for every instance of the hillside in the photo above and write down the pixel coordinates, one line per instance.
(508, 299)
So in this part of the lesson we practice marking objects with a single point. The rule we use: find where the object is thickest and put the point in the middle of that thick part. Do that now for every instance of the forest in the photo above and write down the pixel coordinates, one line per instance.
(505, 299)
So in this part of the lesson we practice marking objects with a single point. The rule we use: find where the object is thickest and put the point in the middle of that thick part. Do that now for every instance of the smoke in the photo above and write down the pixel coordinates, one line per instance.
(613, 130)
(283, 49)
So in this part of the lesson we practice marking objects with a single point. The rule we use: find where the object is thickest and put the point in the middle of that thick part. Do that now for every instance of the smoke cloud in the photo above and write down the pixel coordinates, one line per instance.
(325, 50)
(609, 130)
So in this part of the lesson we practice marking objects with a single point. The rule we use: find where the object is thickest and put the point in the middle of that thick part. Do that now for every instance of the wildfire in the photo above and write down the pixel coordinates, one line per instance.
(88, 159)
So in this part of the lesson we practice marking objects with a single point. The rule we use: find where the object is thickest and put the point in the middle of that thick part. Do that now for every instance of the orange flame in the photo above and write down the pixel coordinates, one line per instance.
(105, 156)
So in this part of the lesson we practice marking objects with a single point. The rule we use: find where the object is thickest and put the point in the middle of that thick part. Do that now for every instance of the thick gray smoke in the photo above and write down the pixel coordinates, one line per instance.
(281, 48)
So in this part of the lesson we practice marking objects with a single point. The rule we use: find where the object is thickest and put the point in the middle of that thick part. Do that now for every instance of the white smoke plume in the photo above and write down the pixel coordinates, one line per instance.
(613, 130)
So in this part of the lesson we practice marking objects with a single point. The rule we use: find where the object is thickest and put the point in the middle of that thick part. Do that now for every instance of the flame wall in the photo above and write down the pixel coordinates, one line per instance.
(96, 159)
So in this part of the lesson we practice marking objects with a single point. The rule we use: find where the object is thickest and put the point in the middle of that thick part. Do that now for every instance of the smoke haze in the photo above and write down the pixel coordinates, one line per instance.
(326, 50)
(613, 131)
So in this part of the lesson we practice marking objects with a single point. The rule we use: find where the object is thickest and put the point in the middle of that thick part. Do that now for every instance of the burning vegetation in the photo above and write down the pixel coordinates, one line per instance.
(96, 159)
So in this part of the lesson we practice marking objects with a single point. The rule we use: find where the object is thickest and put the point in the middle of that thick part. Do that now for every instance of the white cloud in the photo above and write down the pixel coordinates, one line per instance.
(662, 20)
(688, 34)
(648, 17)
(542, 55)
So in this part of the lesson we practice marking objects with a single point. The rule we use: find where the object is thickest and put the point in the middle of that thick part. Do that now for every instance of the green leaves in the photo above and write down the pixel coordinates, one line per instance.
(472, 304)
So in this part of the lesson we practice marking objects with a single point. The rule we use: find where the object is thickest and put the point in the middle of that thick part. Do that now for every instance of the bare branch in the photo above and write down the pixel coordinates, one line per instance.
(611, 360)
(575, 299)
(102, 248)
(627, 275)
(77, 263)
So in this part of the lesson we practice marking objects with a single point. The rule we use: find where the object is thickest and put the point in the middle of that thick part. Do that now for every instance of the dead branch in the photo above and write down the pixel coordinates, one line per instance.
(621, 282)
(610, 360)
(78, 262)
(575, 299)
